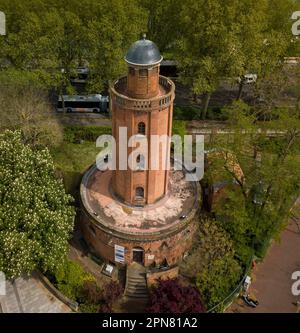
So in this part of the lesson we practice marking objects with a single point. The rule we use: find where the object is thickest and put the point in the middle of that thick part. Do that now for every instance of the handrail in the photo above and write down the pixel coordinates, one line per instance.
(158, 102)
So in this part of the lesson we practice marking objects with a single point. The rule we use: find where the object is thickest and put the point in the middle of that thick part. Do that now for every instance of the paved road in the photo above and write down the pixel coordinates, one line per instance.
(30, 296)
(272, 281)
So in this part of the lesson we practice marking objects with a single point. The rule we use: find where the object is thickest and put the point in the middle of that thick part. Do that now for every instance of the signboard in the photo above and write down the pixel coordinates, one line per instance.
(119, 254)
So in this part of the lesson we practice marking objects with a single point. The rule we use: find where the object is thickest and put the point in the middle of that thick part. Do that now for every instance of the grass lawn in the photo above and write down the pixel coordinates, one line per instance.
(72, 160)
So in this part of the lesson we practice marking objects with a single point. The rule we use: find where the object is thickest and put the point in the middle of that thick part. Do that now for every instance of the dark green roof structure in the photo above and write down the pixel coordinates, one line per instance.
(144, 53)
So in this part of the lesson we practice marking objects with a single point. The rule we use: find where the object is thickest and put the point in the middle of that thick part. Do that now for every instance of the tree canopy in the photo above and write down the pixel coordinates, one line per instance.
(46, 36)
(268, 155)
(36, 215)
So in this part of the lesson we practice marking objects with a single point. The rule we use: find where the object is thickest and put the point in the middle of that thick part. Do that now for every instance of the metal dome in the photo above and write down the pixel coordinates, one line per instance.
(143, 52)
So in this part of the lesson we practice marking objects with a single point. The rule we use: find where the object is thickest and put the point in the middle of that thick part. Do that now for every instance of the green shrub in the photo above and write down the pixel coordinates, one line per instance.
(194, 113)
(212, 265)
(179, 128)
(216, 113)
(186, 113)
(70, 278)
(73, 134)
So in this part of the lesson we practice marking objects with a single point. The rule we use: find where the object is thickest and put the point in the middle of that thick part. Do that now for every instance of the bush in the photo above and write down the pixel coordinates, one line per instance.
(95, 299)
(169, 296)
(212, 264)
(112, 291)
(73, 134)
(216, 113)
(179, 128)
(186, 113)
(70, 278)
(91, 293)
(194, 113)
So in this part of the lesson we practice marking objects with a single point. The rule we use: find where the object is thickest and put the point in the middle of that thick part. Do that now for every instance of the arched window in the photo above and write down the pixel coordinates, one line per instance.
(141, 128)
(140, 161)
(139, 193)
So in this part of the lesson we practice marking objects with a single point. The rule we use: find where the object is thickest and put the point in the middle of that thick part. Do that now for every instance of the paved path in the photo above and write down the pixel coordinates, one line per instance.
(271, 280)
(30, 296)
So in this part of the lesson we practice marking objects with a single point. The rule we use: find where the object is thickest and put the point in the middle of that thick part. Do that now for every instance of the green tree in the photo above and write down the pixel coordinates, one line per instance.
(36, 218)
(162, 27)
(212, 264)
(265, 36)
(114, 27)
(209, 48)
(268, 154)
(24, 105)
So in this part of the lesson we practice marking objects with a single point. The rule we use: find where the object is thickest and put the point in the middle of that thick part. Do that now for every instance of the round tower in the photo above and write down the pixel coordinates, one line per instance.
(113, 223)
(142, 102)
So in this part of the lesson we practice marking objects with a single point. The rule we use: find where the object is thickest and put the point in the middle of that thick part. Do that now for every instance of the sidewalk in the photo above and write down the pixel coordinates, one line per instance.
(28, 295)
(271, 280)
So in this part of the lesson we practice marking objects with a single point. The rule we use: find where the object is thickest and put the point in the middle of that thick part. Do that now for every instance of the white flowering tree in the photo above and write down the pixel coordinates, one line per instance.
(36, 215)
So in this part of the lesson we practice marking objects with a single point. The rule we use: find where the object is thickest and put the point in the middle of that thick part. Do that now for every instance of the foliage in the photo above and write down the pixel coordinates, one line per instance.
(192, 113)
(24, 107)
(74, 282)
(179, 128)
(170, 296)
(113, 27)
(112, 291)
(36, 218)
(212, 264)
(70, 278)
(234, 218)
(185, 113)
(89, 133)
(71, 160)
(47, 36)
(213, 39)
(256, 209)
(91, 292)
(95, 299)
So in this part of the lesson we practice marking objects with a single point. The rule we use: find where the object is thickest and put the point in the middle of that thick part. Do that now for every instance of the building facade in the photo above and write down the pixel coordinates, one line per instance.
(142, 102)
(140, 215)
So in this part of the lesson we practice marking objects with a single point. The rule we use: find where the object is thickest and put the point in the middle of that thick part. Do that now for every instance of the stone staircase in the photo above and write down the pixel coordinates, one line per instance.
(136, 283)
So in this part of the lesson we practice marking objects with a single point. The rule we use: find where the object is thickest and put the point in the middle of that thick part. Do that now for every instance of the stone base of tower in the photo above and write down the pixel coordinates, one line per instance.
(157, 236)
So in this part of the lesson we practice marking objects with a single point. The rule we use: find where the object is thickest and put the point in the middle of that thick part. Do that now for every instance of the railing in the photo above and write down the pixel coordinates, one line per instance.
(126, 102)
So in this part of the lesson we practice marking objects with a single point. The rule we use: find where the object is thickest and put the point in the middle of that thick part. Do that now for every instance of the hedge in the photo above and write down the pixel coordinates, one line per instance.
(73, 134)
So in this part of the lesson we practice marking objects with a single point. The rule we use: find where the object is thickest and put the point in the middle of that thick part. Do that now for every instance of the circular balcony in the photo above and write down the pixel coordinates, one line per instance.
(162, 101)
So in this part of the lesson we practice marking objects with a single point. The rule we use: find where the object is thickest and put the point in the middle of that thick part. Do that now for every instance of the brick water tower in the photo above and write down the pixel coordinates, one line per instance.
(142, 102)
(140, 215)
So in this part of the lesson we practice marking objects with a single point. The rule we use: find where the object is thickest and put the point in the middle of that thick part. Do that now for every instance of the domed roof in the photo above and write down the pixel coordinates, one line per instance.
(143, 52)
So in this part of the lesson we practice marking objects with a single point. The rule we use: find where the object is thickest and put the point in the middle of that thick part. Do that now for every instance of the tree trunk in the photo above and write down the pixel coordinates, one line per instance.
(206, 103)
(241, 86)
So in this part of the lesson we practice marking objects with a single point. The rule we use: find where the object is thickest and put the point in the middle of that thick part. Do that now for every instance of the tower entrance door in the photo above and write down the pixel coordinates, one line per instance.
(138, 255)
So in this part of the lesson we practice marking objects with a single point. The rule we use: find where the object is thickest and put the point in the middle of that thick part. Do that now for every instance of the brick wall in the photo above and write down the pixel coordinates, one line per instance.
(170, 248)
(154, 182)
(171, 273)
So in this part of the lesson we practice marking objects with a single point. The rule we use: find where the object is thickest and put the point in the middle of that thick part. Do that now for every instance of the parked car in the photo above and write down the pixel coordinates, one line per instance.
(248, 78)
